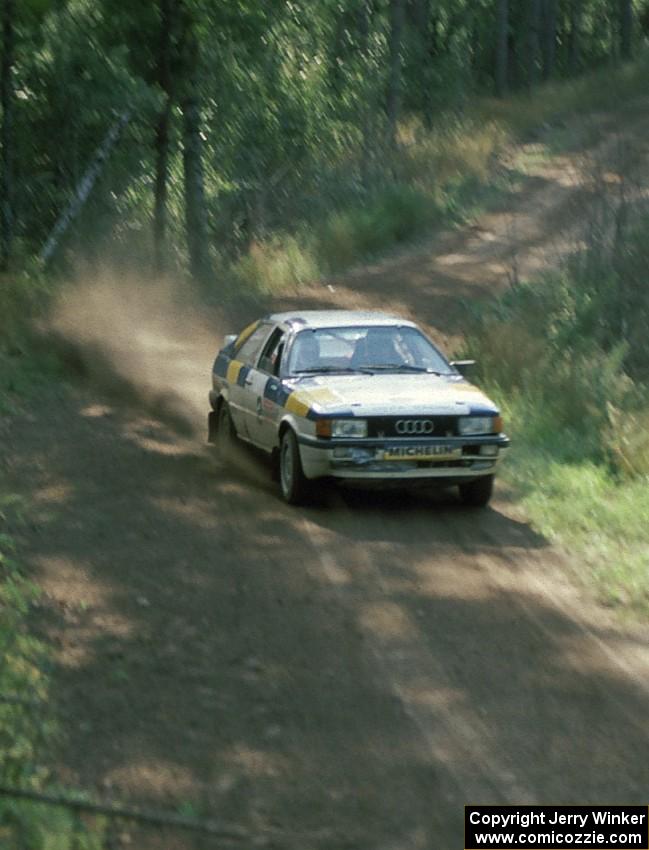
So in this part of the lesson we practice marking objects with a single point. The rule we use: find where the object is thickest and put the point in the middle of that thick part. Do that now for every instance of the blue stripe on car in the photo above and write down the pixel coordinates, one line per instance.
(220, 367)
(243, 374)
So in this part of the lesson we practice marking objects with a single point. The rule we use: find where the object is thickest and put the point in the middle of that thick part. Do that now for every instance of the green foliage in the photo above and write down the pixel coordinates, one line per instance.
(550, 350)
(33, 826)
(441, 172)
(275, 266)
(21, 660)
(610, 87)
(24, 300)
(459, 150)
(528, 347)
(547, 342)
(580, 503)
(20, 297)
(26, 725)
(284, 262)
(627, 440)
(397, 214)
(70, 81)
(292, 101)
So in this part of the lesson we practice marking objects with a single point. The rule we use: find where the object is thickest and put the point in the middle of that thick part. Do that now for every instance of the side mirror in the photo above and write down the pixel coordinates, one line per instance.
(464, 367)
(228, 339)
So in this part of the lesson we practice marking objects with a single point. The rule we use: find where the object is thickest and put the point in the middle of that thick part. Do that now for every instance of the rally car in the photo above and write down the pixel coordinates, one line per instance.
(359, 396)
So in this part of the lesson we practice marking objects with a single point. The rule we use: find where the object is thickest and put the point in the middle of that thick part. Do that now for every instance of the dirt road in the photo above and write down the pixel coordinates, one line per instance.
(351, 673)
(347, 675)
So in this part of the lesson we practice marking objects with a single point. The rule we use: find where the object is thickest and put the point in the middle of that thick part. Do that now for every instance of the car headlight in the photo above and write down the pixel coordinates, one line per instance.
(479, 424)
(349, 427)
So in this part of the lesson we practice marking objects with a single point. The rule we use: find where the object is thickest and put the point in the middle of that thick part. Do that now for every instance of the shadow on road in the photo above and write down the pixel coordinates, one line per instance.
(351, 672)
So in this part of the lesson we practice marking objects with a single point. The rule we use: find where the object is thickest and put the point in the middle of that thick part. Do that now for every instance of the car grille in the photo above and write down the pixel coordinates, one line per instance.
(386, 426)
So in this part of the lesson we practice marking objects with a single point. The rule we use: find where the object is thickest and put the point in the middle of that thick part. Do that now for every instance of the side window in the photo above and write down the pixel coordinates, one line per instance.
(272, 354)
(249, 351)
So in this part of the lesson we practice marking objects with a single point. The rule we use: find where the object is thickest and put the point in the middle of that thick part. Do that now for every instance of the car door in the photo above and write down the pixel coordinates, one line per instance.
(264, 386)
(242, 397)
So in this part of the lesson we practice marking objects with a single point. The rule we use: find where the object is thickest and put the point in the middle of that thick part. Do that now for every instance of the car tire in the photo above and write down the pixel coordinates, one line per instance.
(225, 434)
(212, 427)
(478, 493)
(293, 484)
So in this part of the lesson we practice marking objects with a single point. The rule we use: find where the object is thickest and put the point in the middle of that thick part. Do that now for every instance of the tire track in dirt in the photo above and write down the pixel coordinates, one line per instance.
(596, 709)
(450, 730)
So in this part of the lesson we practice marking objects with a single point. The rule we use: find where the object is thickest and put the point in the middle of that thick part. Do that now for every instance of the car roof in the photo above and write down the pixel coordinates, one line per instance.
(338, 318)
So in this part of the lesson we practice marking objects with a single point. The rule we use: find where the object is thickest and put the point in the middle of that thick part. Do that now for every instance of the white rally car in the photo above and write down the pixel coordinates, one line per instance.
(353, 395)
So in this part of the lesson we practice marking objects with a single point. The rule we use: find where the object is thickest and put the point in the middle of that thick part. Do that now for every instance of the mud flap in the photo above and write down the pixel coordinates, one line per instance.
(212, 424)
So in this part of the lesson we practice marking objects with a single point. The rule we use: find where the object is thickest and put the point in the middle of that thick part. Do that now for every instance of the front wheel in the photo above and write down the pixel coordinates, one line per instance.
(478, 493)
(293, 483)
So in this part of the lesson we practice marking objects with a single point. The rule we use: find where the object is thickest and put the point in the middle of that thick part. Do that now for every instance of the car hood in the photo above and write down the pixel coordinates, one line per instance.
(386, 394)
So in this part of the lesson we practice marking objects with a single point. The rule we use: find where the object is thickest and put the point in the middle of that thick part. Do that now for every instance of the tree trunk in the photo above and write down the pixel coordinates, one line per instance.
(420, 14)
(549, 37)
(574, 37)
(364, 18)
(338, 49)
(393, 106)
(162, 139)
(195, 206)
(534, 17)
(502, 48)
(6, 134)
(423, 18)
(626, 29)
(84, 188)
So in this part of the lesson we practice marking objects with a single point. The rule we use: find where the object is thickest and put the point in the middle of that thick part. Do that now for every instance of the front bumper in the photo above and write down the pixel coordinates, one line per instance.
(449, 459)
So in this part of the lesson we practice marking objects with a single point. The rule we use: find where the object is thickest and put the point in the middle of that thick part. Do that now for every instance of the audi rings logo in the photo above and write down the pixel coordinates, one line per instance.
(414, 427)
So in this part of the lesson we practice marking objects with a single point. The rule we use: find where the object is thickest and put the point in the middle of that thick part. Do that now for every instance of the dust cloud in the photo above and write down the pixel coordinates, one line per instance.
(151, 342)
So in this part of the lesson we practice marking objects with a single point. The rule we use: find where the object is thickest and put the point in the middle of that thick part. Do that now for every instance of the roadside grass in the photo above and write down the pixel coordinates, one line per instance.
(274, 265)
(23, 369)
(390, 217)
(27, 360)
(27, 727)
(582, 504)
(614, 88)
(579, 462)
(393, 216)
(461, 149)
(22, 297)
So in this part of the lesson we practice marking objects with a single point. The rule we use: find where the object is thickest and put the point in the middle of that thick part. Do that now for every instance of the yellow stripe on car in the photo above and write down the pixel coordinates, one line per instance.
(301, 402)
(233, 371)
(321, 395)
(295, 405)
(245, 333)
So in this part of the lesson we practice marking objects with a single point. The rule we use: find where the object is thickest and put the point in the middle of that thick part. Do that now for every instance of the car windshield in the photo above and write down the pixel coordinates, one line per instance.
(364, 349)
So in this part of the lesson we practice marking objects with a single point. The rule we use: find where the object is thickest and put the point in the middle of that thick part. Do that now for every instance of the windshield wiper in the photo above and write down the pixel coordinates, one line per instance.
(327, 370)
(395, 367)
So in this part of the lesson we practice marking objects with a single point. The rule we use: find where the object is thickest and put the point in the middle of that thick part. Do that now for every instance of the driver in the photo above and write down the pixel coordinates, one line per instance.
(376, 348)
